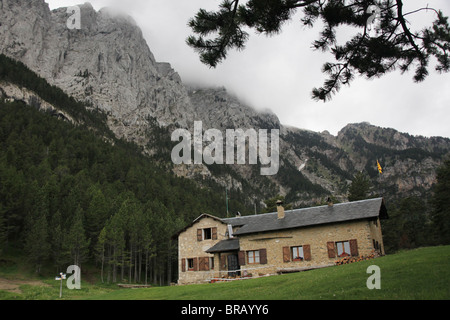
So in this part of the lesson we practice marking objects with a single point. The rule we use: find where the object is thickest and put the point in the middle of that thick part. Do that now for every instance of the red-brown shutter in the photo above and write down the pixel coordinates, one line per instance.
(263, 256)
(203, 263)
(353, 247)
(286, 254)
(183, 265)
(195, 264)
(307, 252)
(241, 256)
(331, 250)
(199, 234)
(214, 233)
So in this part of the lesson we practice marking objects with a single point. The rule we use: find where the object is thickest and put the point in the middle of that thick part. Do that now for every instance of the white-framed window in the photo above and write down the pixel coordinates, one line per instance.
(343, 248)
(297, 253)
(253, 257)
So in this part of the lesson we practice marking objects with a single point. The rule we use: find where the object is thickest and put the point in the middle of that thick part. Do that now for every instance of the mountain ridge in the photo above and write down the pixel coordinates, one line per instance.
(108, 64)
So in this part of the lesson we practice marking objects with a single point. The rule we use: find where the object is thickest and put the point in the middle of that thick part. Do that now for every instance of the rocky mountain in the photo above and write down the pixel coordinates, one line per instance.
(108, 64)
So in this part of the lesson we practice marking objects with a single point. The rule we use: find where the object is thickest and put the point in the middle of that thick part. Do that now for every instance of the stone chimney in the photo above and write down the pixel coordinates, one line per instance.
(280, 209)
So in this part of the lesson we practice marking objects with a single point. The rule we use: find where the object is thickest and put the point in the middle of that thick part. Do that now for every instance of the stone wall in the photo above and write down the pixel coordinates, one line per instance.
(191, 248)
(316, 238)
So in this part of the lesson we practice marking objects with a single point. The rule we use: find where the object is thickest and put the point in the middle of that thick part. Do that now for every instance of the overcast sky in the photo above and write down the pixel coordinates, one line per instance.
(279, 72)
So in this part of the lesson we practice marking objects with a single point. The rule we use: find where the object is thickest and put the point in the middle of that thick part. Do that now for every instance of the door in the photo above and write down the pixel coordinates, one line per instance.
(233, 265)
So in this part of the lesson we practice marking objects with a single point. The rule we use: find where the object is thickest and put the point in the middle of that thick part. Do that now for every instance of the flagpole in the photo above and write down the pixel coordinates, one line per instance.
(226, 199)
(380, 171)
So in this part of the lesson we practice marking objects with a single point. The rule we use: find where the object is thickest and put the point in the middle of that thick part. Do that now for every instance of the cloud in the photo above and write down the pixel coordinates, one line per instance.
(279, 72)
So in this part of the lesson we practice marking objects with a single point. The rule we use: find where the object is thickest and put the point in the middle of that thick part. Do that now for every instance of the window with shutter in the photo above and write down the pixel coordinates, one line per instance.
(253, 257)
(207, 234)
(297, 253)
(190, 264)
(343, 248)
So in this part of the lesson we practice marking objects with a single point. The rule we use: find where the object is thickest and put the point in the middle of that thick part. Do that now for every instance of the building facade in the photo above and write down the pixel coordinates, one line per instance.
(283, 241)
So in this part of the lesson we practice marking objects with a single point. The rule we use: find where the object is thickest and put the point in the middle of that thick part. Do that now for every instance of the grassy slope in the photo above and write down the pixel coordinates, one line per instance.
(417, 274)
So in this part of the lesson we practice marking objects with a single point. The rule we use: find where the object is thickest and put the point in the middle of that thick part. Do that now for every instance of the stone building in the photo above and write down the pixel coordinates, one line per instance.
(282, 241)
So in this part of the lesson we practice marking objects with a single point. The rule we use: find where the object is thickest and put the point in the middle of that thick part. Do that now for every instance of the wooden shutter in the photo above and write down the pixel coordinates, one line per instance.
(195, 264)
(203, 263)
(183, 265)
(214, 233)
(199, 234)
(353, 247)
(286, 254)
(307, 252)
(331, 249)
(263, 256)
(241, 256)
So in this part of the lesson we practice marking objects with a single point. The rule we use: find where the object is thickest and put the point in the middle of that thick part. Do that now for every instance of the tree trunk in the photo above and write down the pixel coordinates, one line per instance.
(146, 266)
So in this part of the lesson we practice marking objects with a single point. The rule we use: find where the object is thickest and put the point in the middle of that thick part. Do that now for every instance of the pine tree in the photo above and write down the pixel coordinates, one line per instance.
(2, 229)
(96, 214)
(36, 241)
(394, 46)
(441, 204)
(100, 251)
(359, 189)
(56, 241)
(76, 245)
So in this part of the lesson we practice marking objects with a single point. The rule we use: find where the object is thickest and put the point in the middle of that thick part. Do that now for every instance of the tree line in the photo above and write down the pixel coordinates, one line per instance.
(69, 197)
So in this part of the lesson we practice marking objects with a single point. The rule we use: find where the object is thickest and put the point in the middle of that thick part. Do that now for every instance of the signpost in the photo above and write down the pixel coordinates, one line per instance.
(61, 277)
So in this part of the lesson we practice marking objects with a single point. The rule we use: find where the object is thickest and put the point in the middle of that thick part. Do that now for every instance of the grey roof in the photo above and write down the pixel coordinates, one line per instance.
(356, 210)
(225, 245)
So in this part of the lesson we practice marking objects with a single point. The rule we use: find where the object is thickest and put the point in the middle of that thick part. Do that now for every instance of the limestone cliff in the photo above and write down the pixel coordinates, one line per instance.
(108, 63)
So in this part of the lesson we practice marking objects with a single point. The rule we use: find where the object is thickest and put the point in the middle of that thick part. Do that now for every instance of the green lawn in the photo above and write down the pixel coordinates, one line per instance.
(418, 274)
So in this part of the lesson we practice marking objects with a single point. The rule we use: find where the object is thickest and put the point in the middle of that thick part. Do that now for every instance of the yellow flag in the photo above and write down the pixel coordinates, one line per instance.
(379, 167)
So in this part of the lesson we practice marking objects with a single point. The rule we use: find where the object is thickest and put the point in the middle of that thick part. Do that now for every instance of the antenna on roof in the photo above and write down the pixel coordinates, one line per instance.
(226, 199)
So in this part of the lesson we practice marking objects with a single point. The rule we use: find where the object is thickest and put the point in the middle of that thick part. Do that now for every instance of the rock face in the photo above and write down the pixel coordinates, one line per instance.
(12, 92)
(108, 64)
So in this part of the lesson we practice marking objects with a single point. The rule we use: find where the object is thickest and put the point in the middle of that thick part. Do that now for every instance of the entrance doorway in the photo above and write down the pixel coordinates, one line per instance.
(233, 264)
